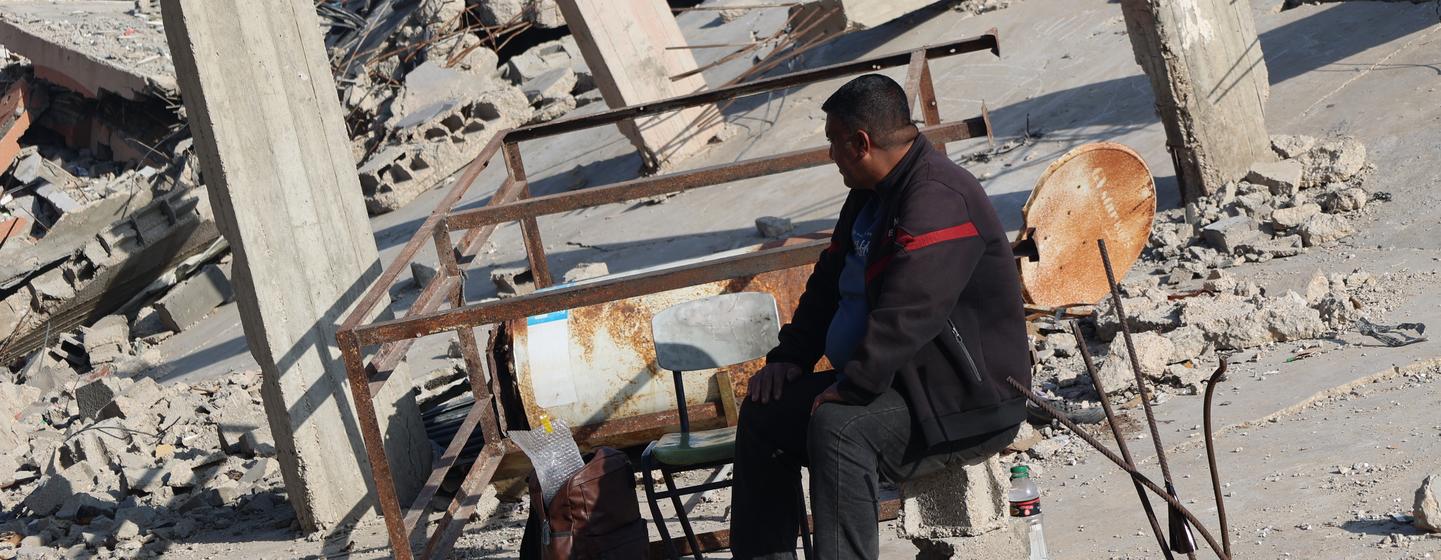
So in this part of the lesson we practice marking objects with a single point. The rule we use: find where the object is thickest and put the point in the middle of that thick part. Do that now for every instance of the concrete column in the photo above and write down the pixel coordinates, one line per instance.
(961, 513)
(624, 45)
(1205, 65)
(272, 145)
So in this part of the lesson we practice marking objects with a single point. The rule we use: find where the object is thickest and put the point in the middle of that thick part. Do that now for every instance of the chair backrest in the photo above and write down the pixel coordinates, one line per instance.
(716, 331)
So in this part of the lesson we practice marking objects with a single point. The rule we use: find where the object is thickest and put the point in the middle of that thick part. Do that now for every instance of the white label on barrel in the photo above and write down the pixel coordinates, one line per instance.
(548, 337)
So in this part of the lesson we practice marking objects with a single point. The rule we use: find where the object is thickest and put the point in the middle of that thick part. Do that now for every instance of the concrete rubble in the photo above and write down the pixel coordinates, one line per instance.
(118, 467)
(1428, 505)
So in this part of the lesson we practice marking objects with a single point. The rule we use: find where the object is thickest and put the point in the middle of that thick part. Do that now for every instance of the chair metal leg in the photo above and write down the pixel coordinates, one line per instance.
(647, 466)
(805, 521)
(680, 513)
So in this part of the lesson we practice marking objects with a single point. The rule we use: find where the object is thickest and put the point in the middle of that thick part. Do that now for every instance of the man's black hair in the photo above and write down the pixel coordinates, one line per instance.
(875, 104)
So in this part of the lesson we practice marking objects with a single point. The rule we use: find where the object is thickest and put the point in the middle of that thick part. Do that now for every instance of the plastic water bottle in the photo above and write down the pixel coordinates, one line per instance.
(1026, 510)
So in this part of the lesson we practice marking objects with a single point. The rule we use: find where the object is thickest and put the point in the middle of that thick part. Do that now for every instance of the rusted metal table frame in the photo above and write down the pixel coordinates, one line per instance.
(512, 202)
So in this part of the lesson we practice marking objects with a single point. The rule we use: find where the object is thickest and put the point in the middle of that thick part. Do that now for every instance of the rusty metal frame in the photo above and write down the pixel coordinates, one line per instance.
(388, 341)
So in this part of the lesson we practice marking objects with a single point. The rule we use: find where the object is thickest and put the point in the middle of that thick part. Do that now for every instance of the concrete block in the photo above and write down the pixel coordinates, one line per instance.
(1333, 160)
(1294, 216)
(94, 397)
(1320, 229)
(773, 227)
(956, 502)
(1229, 234)
(50, 288)
(1290, 146)
(58, 198)
(1281, 177)
(54, 489)
(190, 301)
(553, 84)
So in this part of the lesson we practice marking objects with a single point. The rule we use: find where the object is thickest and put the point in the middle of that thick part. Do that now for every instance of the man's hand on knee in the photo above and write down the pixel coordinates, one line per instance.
(766, 385)
(831, 394)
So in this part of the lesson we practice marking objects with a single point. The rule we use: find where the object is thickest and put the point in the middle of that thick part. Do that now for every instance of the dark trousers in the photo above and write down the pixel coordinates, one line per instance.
(847, 449)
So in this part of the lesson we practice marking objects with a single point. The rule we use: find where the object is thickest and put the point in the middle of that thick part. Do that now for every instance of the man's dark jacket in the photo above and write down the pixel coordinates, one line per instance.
(946, 326)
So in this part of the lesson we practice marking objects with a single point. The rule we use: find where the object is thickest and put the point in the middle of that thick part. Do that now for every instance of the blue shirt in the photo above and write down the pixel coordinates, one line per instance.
(848, 325)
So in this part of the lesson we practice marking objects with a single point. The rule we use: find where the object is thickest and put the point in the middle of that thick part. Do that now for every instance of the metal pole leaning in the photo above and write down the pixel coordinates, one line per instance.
(1211, 455)
(1181, 539)
(1120, 441)
(1135, 475)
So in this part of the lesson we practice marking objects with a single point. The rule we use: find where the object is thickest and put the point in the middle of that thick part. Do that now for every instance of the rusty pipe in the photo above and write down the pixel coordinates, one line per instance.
(1211, 454)
(1181, 539)
(1120, 441)
(1135, 474)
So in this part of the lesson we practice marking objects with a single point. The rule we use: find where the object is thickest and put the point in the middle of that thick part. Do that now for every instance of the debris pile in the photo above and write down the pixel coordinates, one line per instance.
(114, 466)
(1307, 199)
(424, 100)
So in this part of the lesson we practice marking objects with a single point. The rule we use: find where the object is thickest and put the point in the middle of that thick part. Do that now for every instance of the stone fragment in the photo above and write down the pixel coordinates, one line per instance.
(1228, 321)
(1228, 234)
(126, 530)
(93, 397)
(1153, 352)
(1281, 177)
(108, 340)
(1289, 318)
(1026, 438)
(1187, 343)
(538, 60)
(50, 288)
(1341, 198)
(1338, 308)
(1333, 160)
(1325, 228)
(586, 271)
(555, 83)
(1291, 145)
(54, 489)
(86, 505)
(147, 323)
(421, 274)
(774, 227)
(513, 282)
(1294, 216)
(190, 301)
(1428, 505)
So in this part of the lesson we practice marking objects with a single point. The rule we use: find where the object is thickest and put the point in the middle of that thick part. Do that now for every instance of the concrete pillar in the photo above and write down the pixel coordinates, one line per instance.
(961, 513)
(272, 145)
(624, 45)
(1205, 65)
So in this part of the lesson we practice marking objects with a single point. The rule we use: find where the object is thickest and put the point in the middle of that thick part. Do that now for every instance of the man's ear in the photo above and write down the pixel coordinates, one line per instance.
(863, 143)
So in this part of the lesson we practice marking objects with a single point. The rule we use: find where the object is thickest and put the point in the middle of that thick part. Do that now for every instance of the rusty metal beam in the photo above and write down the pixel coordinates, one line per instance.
(440, 468)
(461, 508)
(706, 176)
(989, 41)
(586, 294)
(387, 278)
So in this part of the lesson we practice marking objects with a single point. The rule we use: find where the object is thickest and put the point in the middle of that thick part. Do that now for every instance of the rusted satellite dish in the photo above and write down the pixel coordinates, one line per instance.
(1096, 191)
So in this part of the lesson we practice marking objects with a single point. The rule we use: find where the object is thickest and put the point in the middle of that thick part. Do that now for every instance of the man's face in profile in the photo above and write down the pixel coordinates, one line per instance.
(845, 152)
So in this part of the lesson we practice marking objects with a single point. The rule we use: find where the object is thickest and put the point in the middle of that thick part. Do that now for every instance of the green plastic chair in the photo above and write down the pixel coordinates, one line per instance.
(705, 334)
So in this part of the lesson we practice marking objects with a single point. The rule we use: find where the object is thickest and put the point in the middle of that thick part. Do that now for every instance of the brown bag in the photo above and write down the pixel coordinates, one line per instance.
(594, 515)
